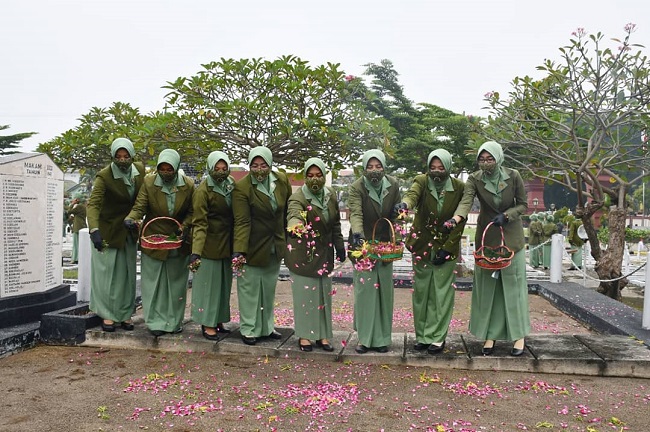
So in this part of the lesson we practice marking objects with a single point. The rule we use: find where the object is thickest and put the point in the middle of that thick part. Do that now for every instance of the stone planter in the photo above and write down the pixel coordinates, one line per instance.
(68, 326)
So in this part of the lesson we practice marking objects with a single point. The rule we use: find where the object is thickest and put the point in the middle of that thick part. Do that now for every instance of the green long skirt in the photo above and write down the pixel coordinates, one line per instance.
(112, 282)
(256, 295)
(500, 306)
(75, 247)
(576, 258)
(164, 292)
(546, 255)
(433, 301)
(312, 306)
(535, 255)
(211, 287)
(373, 305)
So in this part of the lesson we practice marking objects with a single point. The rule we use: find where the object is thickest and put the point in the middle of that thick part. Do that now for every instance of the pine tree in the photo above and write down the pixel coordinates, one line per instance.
(9, 143)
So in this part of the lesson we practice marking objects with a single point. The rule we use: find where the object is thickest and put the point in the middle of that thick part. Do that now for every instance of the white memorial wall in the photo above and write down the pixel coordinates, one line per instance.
(31, 223)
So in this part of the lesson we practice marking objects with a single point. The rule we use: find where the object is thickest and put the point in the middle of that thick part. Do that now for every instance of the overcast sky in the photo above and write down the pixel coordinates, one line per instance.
(58, 59)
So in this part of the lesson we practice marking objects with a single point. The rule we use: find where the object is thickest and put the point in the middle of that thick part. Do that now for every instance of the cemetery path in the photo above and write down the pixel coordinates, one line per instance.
(55, 388)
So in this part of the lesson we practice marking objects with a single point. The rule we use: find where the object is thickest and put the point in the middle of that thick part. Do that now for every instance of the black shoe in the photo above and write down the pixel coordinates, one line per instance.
(208, 336)
(275, 335)
(128, 326)
(178, 330)
(110, 328)
(249, 340)
(487, 351)
(222, 329)
(157, 333)
(516, 352)
(382, 349)
(325, 346)
(305, 348)
(419, 346)
(361, 349)
(434, 349)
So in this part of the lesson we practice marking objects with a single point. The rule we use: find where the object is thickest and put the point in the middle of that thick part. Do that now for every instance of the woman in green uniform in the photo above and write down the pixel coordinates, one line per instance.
(434, 197)
(77, 215)
(548, 229)
(314, 227)
(112, 261)
(372, 197)
(499, 299)
(535, 232)
(164, 272)
(259, 204)
(576, 242)
(212, 247)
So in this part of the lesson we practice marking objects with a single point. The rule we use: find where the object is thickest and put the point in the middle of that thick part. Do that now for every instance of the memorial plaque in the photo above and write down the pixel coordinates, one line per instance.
(31, 221)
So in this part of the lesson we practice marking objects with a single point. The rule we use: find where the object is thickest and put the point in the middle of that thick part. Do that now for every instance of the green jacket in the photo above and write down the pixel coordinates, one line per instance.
(364, 211)
(258, 228)
(513, 204)
(428, 221)
(299, 258)
(151, 203)
(535, 232)
(213, 221)
(77, 213)
(109, 203)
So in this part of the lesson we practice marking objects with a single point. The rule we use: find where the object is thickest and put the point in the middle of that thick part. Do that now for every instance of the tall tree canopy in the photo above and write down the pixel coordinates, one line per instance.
(580, 126)
(9, 143)
(296, 110)
(418, 128)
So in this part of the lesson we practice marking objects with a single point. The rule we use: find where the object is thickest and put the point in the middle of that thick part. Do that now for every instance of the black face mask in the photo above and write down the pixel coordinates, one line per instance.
(374, 176)
(167, 177)
(438, 176)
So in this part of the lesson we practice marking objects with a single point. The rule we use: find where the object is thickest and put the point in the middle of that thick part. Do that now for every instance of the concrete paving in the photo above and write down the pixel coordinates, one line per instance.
(598, 355)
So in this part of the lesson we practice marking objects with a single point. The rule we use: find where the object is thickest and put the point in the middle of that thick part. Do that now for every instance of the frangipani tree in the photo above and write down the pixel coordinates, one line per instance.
(582, 125)
(296, 110)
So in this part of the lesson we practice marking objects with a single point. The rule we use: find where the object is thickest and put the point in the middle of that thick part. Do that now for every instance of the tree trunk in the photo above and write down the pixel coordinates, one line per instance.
(609, 265)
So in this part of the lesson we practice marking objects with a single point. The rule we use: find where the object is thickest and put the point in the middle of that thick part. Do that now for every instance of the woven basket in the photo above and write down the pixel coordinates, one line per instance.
(160, 241)
(493, 257)
(385, 251)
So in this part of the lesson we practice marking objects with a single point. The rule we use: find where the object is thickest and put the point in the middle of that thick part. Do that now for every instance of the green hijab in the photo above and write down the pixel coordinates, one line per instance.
(445, 159)
(263, 152)
(127, 177)
(493, 181)
(376, 192)
(225, 187)
(267, 187)
(320, 199)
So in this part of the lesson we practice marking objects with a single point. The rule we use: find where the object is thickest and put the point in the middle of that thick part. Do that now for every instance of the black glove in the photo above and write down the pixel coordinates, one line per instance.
(179, 233)
(238, 254)
(130, 224)
(500, 220)
(442, 256)
(399, 208)
(357, 240)
(194, 257)
(340, 254)
(448, 226)
(97, 240)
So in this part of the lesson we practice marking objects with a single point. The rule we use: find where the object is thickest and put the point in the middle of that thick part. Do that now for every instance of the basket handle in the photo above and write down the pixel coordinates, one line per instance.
(392, 230)
(503, 240)
(157, 218)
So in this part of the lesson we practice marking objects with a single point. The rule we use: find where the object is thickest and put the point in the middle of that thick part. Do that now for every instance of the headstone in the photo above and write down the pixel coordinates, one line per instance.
(31, 218)
(31, 187)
